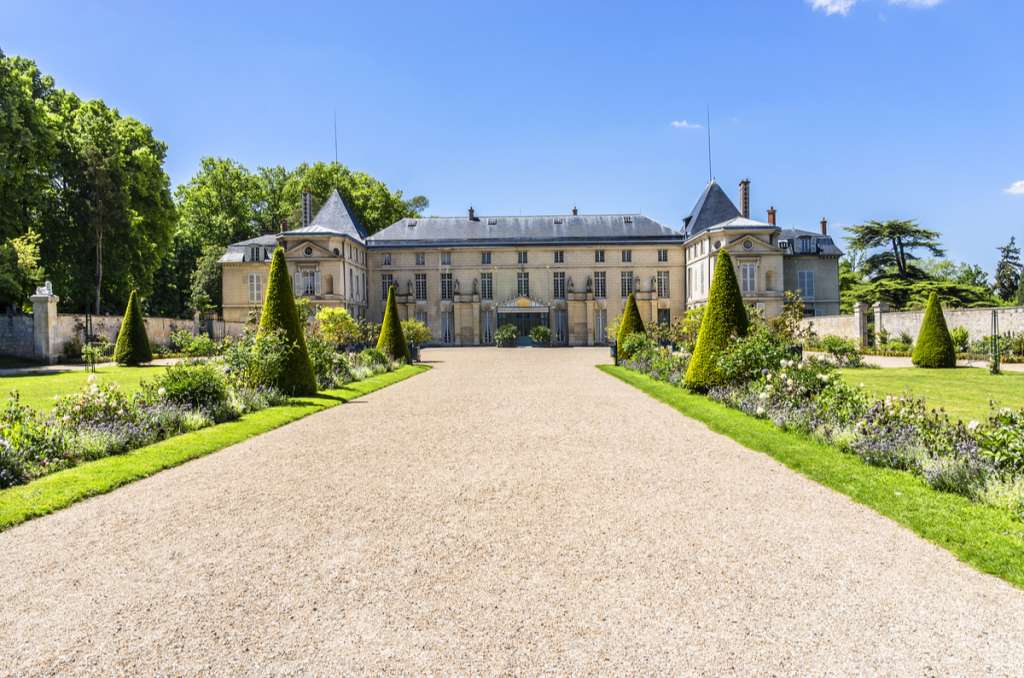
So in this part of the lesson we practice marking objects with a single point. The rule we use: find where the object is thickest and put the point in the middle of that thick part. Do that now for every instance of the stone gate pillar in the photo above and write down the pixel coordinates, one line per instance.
(860, 323)
(44, 324)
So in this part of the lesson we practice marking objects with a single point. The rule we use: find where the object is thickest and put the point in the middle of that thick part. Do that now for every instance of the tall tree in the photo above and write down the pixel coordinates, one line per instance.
(221, 204)
(20, 271)
(1008, 271)
(893, 247)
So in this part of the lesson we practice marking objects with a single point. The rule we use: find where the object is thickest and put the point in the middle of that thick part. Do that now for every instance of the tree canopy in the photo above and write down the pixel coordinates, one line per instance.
(1008, 271)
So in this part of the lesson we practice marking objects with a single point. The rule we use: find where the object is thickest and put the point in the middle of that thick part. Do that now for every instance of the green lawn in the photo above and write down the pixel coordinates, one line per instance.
(61, 489)
(38, 390)
(963, 392)
(988, 538)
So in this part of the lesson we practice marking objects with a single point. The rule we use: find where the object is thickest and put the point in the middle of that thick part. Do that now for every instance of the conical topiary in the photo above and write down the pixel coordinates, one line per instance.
(132, 347)
(391, 341)
(279, 313)
(725, 316)
(631, 323)
(934, 346)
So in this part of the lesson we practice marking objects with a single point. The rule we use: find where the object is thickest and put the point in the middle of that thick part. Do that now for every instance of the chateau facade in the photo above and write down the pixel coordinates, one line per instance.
(466, 276)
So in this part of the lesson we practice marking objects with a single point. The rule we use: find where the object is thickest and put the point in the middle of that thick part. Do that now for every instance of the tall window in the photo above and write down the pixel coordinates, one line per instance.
(387, 259)
(386, 281)
(446, 258)
(487, 286)
(255, 288)
(421, 287)
(600, 285)
(662, 255)
(446, 285)
(598, 256)
(447, 327)
(523, 283)
(748, 278)
(689, 282)
(559, 285)
(486, 327)
(421, 259)
(485, 258)
(806, 245)
(627, 256)
(254, 253)
(522, 257)
(663, 291)
(805, 281)
(626, 279)
(309, 283)
(421, 316)
(559, 256)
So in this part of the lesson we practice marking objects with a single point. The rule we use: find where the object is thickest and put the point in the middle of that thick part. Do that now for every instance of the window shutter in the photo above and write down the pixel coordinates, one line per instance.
(297, 284)
(316, 280)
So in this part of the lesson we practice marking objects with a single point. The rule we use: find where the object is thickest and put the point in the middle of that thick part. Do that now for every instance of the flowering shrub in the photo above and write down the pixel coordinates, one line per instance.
(256, 359)
(1002, 440)
(843, 352)
(506, 335)
(329, 366)
(199, 386)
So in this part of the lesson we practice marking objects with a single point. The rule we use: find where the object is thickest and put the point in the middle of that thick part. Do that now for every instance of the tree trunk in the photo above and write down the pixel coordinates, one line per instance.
(99, 266)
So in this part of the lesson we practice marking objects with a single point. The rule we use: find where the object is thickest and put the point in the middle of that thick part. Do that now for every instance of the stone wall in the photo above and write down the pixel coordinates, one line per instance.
(17, 336)
(978, 321)
(71, 329)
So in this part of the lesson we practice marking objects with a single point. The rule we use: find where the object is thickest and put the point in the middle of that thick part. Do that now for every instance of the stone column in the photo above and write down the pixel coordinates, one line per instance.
(860, 323)
(44, 320)
(880, 308)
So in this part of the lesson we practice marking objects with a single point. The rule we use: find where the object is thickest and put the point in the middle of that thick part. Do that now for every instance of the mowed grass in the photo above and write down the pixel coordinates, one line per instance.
(989, 539)
(61, 489)
(38, 390)
(963, 392)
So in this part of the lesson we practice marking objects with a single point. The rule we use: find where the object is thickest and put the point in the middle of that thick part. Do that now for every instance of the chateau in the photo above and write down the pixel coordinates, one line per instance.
(466, 276)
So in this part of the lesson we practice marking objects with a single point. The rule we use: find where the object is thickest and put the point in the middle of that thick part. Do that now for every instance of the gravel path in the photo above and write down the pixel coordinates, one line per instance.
(510, 511)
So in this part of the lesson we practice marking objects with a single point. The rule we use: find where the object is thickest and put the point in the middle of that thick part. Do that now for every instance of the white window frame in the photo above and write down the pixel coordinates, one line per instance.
(558, 285)
(421, 286)
(626, 283)
(522, 284)
(598, 256)
(522, 257)
(600, 285)
(447, 285)
(559, 256)
(421, 259)
(487, 286)
(386, 281)
(748, 278)
(387, 259)
(446, 258)
(802, 278)
(627, 256)
(662, 256)
(663, 284)
(485, 258)
(255, 288)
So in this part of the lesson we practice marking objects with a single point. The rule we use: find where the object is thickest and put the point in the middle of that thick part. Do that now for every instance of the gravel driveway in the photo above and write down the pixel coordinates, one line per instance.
(510, 511)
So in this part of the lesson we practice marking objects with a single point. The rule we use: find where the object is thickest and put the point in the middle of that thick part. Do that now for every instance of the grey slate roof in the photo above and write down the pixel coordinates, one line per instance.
(713, 207)
(238, 252)
(508, 230)
(334, 218)
(823, 244)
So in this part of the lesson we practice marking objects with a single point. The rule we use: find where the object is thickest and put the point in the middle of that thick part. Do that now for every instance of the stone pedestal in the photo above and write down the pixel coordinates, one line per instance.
(44, 319)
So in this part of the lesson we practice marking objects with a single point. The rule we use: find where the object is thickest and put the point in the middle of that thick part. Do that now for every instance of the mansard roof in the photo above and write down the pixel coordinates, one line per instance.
(712, 208)
(510, 230)
(823, 244)
(334, 218)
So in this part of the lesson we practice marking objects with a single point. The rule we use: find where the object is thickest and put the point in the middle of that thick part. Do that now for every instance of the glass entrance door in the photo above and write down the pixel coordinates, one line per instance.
(524, 322)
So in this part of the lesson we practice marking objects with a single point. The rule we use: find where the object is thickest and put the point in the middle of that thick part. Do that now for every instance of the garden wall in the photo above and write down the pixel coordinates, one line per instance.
(17, 336)
(978, 322)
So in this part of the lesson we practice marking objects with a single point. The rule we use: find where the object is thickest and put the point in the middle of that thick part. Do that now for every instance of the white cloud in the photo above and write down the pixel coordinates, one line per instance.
(843, 7)
(1016, 188)
(683, 124)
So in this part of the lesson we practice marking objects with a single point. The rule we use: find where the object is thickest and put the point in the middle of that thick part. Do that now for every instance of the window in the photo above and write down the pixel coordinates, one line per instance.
(351, 285)
(559, 292)
(386, 281)
(485, 258)
(601, 326)
(664, 316)
(598, 256)
(599, 285)
(662, 255)
(421, 258)
(559, 256)
(627, 220)
(689, 282)
(387, 259)
(561, 333)
(663, 284)
(447, 327)
(805, 281)
(255, 288)
(421, 316)
(421, 287)
(523, 284)
(806, 245)
(522, 256)
(309, 282)
(487, 327)
(446, 285)
(254, 253)
(626, 279)
(627, 256)
(446, 258)
(308, 251)
(487, 286)
(748, 278)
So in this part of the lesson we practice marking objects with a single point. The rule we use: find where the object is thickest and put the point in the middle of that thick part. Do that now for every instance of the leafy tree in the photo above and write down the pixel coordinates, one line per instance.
(391, 341)
(132, 346)
(279, 315)
(337, 326)
(934, 347)
(1008, 271)
(20, 271)
(725, 317)
(273, 212)
(631, 323)
(220, 204)
(893, 244)
(205, 293)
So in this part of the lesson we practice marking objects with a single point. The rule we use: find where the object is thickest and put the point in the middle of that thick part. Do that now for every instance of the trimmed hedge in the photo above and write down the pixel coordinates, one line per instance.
(631, 323)
(391, 341)
(132, 347)
(279, 314)
(725, 316)
(934, 347)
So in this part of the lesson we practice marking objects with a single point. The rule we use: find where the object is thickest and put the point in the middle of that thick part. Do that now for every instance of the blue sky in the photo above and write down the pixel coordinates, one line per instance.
(850, 109)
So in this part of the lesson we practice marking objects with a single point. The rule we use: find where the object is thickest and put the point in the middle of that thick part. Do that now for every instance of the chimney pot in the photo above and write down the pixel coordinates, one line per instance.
(824, 226)
(472, 214)
(771, 215)
(745, 198)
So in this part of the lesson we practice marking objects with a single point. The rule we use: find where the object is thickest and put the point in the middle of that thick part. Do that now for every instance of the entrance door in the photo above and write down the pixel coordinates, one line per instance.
(524, 322)
(600, 323)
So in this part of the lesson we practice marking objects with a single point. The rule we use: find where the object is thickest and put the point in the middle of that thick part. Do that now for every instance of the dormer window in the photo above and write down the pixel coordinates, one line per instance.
(806, 245)
(559, 221)
(254, 253)
(492, 222)
(627, 220)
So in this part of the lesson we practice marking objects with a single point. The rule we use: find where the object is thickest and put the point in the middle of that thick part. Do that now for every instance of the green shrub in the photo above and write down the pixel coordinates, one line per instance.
(256, 360)
(747, 357)
(329, 366)
(506, 335)
(725, 317)
(842, 351)
(934, 344)
(373, 356)
(132, 347)
(961, 339)
(201, 386)
(541, 335)
(634, 345)
(279, 314)
(337, 326)
(416, 332)
(391, 341)
(631, 323)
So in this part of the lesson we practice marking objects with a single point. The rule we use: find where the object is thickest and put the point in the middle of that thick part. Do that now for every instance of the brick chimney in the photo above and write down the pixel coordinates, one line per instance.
(771, 216)
(745, 198)
(824, 226)
(472, 213)
(307, 208)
